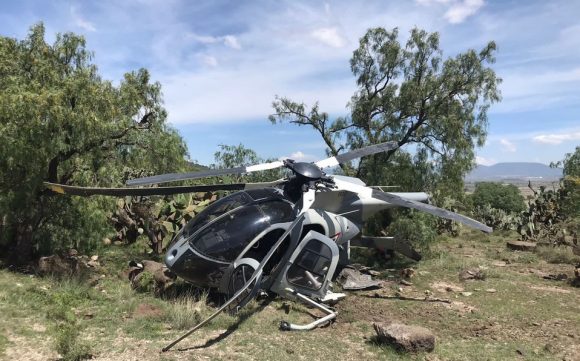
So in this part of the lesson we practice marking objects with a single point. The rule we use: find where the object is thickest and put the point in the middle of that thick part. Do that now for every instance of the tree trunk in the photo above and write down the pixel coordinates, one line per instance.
(24, 245)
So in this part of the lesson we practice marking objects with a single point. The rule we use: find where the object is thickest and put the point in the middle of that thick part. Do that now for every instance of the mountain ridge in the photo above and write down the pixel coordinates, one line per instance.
(514, 170)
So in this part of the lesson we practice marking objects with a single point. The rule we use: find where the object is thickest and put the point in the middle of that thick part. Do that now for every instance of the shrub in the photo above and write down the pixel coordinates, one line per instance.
(505, 197)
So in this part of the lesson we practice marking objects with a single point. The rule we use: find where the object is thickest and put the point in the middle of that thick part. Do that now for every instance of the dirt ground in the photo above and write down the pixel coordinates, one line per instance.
(514, 313)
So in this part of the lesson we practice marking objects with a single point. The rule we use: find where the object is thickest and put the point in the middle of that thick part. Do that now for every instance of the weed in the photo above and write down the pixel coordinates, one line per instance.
(187, 311)
(558, 254)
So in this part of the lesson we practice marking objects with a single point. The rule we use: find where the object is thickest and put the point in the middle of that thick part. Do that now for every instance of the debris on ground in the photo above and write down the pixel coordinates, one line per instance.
(521, 246)
(399, 296)
(576, 280)
(472, 274)
(556, 277)
(446, 287)
(352, 279)
(407, 273)
(408, 338)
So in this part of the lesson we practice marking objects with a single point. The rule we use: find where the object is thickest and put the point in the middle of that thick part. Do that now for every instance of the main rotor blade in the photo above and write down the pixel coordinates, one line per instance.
(121, 192)
(170, 177)
(439, 212)
(357, 153)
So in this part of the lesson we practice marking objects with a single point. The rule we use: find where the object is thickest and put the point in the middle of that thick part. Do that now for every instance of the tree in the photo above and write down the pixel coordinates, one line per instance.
(571, 163)
(499, 196)
(61, 122)
(233, 156)
(411, 95)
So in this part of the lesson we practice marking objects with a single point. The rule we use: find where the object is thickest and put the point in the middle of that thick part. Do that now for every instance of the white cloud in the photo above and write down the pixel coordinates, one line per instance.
(299, 156)
(232, 42)
(329, 36)
(484, 161)
(80, 21)
(209, 60)
(556, 138)
(457, 10)
(507, 145)
(229, 40)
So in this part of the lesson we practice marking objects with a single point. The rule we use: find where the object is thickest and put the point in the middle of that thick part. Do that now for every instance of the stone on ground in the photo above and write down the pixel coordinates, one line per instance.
(407, 338)
(521, 246)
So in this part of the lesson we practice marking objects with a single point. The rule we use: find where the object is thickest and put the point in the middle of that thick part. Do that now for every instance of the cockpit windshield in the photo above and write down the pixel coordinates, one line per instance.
(223, 229)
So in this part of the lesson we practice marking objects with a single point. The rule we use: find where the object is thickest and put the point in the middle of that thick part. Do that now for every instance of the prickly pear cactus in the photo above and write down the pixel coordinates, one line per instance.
(547, 215)
(135, 216)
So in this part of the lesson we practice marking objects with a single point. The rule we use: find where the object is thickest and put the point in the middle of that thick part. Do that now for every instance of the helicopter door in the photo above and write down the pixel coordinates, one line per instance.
(312, 264)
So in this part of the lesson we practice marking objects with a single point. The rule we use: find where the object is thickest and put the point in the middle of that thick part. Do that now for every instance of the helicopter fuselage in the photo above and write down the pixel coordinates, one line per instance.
(244, 225)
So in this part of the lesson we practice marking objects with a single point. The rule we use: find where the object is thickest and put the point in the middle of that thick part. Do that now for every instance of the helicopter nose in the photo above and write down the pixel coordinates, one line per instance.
(175, 252)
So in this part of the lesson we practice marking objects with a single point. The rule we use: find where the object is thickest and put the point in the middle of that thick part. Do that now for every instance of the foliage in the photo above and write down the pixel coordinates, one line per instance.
(506, 197)
(66, 326)
(409, 94)
(571, 163)
(135, 216)
(497, 218)
(418, 229)
(61, 122)
(233, 156)
(544, 220)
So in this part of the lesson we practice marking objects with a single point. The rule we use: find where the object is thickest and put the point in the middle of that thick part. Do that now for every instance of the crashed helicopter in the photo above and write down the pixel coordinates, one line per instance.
(290, 236)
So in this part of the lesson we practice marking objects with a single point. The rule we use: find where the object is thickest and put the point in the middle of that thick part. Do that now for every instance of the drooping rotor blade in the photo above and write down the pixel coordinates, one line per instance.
(170, 177)
(439, 212)
(357, 153)
(164, 191)
(366, 192)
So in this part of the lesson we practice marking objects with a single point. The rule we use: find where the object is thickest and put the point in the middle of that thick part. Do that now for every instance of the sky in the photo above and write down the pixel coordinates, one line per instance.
(221, 63)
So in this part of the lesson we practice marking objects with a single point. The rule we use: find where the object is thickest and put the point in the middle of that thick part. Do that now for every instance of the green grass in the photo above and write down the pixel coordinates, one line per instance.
(526, 314)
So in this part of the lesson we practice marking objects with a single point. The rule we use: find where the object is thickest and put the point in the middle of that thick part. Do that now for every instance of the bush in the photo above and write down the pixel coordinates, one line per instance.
(505, 197)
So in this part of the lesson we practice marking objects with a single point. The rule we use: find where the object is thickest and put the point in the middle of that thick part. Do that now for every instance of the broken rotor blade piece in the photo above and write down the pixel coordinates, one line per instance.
(170, 177)
(428, 208)
(357, 153)
(161, 191)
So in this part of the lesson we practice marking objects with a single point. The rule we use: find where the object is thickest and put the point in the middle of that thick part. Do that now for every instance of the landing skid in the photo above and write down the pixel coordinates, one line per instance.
(330, 314)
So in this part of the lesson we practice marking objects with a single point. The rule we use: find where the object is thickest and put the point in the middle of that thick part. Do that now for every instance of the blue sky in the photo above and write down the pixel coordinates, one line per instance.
(222, 62)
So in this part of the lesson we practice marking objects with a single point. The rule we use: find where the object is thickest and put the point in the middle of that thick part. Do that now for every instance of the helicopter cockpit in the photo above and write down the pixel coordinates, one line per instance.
(221, 231)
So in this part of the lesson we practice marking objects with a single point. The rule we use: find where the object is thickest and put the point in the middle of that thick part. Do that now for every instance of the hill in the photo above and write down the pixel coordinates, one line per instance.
(514, 170)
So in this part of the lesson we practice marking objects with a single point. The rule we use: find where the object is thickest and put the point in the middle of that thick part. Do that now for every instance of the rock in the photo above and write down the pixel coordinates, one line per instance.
(405, 337)
(472, 274)
(521, 246)
(499, 264)
(406, 283)
(94, 258)
(491, 290)
(106, 241)
(466, 294)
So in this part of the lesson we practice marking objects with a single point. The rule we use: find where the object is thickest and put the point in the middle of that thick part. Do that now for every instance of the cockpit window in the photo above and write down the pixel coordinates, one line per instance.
(227, 236)
(214, 210)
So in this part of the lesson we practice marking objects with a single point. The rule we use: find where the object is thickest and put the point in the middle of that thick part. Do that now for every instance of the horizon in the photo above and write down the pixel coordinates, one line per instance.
(222, 63)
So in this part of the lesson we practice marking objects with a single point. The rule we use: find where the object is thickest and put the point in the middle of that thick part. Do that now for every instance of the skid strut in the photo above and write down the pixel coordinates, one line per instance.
(330, 314)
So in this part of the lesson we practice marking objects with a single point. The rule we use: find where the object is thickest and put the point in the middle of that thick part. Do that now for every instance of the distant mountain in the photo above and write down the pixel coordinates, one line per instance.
(514, 170)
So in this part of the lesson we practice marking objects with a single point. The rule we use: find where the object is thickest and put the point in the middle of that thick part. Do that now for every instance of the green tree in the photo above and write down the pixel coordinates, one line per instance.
(571, 163)
(233, 156)
(499, 196)
(61, 122)
(409, 94)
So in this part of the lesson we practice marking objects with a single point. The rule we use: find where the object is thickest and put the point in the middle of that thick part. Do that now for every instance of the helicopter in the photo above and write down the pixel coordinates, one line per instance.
(289, 237)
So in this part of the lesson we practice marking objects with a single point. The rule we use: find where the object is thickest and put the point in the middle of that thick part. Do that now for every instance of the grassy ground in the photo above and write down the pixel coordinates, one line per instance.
(513, 314)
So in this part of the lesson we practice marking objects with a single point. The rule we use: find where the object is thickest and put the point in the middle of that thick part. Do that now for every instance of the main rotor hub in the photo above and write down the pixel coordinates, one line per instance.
(309, 171)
